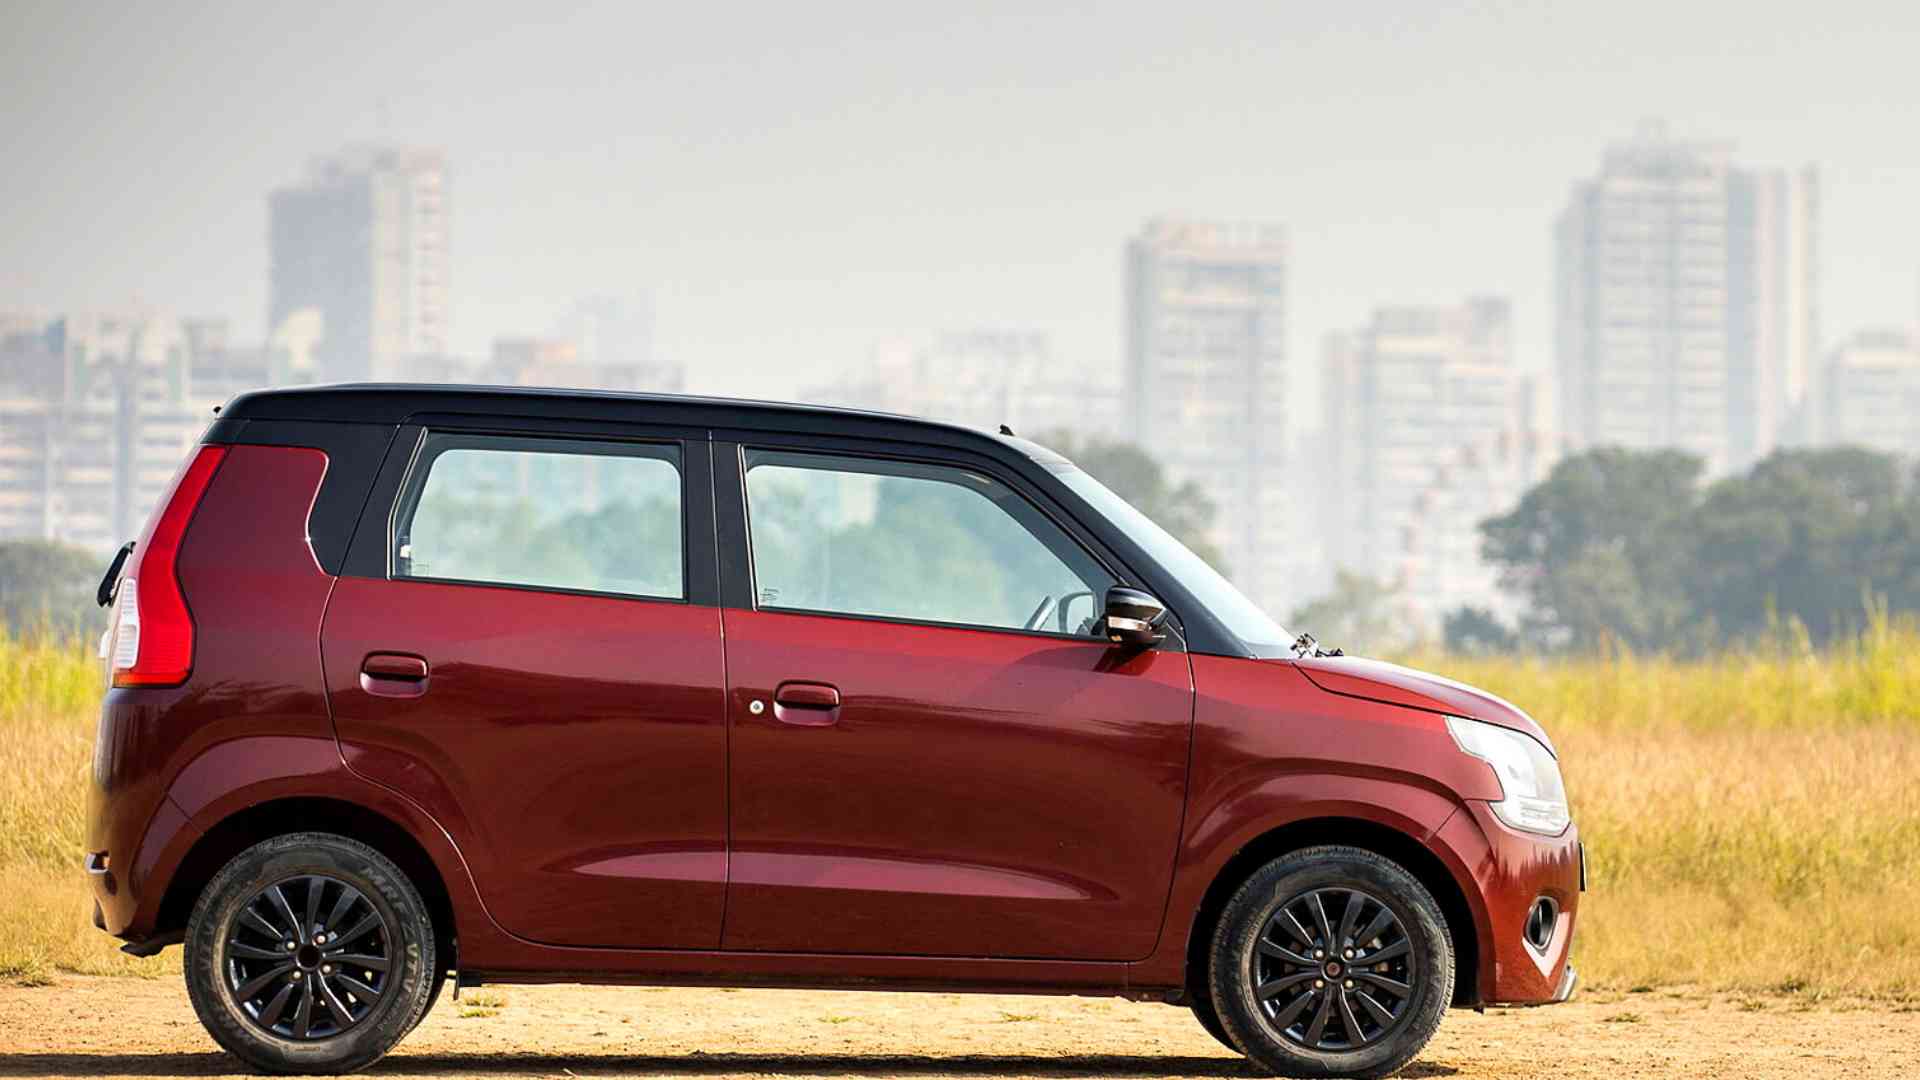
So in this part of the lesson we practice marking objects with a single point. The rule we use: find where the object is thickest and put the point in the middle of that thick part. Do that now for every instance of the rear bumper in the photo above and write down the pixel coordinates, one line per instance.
(130, 820)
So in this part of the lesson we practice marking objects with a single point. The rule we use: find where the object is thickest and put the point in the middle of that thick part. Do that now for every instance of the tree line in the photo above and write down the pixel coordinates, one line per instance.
(1636, 547)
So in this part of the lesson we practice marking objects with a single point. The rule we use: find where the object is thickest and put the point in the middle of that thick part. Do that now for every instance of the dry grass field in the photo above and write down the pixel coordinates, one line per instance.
(1753, 819)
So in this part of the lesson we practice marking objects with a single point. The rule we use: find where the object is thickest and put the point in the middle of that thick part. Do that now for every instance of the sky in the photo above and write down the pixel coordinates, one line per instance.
(792, 183)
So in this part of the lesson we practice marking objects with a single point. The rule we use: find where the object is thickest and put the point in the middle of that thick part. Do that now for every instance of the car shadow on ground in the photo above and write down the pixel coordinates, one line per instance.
(1118, 1065)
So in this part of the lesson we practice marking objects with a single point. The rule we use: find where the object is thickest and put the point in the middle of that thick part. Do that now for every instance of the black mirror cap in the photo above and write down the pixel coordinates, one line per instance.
(1133, 618)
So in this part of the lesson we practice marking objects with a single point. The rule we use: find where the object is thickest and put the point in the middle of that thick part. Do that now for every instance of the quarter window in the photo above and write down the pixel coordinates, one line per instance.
(559, 514)
(909, 541)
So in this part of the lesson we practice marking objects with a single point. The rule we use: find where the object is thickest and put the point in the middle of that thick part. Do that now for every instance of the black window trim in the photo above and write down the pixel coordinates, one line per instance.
(370, 554)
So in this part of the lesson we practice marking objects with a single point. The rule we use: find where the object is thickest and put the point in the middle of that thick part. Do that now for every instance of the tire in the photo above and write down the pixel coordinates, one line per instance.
(1301, 1019)
(433, 995)
(1203, 1011)
(323, 1006)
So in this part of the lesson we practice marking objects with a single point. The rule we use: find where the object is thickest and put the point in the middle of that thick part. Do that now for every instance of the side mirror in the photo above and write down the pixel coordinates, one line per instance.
(1133, 618)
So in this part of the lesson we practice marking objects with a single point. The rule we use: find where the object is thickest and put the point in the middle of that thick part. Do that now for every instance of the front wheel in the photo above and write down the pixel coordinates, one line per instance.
(310, 953)
(1331, 962)
(1203, 1011)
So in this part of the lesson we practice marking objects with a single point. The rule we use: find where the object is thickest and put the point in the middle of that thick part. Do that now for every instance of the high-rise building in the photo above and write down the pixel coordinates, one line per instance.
(981, 378)
(1424, 409)
(1207, 387)
(1871, 392)
(98, 412)
(361, 242)
(1685, 293)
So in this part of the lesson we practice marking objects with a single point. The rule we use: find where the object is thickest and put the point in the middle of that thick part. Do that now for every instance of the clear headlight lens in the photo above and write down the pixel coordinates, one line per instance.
(1533, 797)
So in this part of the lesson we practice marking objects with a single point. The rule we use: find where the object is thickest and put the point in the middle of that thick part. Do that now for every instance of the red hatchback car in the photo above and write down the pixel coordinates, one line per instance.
(412, 684)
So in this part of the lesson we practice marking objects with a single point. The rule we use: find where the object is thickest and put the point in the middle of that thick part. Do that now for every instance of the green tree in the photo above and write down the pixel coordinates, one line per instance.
(1477, 631)
(1601, 548)
(1183, 510)
(1806, 534)
(48, 586)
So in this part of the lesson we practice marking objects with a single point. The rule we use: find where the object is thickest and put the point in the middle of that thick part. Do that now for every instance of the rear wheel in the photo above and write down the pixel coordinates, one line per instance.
(1332, 961)
(310, 953)
(436, 983)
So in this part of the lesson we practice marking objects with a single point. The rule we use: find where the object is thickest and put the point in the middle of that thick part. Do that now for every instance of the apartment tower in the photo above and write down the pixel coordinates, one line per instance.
(1685, 302)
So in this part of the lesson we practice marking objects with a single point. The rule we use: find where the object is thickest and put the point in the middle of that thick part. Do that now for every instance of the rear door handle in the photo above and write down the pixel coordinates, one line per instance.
(393, 675)
(806, 704)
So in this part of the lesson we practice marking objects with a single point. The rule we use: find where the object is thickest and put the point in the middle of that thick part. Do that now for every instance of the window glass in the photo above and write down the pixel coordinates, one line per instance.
(547, 513)
(1242, 616)
(918, 542)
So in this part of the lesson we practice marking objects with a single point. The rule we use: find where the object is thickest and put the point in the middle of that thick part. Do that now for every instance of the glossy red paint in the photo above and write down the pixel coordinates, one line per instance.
(977, 794)
(257, 597)
(576, 746)
(1508, 871)
(1392, 684)
(913, 806)
(1271, 750)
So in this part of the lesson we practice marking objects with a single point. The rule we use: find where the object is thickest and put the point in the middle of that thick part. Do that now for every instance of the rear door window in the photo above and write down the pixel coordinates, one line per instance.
(546, 513)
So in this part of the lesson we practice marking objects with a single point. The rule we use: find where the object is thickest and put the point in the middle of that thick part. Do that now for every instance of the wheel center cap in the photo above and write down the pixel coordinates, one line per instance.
(1333, 969)
(307, 957)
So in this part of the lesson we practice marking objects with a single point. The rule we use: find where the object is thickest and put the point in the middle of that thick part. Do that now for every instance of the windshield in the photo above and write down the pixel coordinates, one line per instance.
(1241, 616)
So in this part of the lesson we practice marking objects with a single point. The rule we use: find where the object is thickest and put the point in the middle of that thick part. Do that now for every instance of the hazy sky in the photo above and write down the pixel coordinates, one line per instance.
(793, 182)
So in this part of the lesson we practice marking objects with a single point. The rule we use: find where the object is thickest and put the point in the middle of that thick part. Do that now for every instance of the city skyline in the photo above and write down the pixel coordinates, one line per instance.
(1429, 422)
(917, 177)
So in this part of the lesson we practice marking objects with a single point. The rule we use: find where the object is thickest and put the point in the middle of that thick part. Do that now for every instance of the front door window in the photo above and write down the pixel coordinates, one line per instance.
(912, 542)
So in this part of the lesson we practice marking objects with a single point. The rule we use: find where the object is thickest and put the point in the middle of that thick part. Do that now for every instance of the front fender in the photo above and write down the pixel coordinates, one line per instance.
(1318, 803)
(1272, 752)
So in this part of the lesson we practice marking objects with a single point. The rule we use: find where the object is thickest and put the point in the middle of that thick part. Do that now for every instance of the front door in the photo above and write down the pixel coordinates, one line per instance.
(932, 755)
(535, 672)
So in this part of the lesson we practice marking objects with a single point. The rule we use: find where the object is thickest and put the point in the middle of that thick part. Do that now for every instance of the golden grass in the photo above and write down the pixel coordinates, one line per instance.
(1753, 819)
(49, 701)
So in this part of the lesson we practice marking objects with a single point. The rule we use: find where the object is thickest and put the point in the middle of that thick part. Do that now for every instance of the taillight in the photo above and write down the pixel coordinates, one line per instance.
(153, 639)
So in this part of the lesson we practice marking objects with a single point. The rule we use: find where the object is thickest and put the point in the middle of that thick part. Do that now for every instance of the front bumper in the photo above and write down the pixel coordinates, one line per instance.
(1511, 871)
(1568, 983)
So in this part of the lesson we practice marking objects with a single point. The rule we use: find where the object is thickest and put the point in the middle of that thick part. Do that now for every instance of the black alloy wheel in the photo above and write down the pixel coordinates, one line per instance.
(310, 953)
(1331, 961)
(308, 957)
(1334, 970)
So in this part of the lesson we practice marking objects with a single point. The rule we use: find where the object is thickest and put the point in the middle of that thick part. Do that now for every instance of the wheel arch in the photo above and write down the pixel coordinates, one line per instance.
(221, 841)
(1384, 840)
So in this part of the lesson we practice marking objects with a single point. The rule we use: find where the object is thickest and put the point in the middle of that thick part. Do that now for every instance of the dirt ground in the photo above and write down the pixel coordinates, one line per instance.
(139, 1028)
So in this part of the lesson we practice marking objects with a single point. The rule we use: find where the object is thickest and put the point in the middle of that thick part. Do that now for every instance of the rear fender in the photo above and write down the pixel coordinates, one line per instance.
(232, 776)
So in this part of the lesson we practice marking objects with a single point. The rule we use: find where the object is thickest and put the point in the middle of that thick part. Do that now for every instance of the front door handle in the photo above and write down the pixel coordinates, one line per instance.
(806, 704)
(393, 675)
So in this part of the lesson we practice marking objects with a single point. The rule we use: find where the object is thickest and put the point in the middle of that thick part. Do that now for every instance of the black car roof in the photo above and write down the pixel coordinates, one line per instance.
(396, 403)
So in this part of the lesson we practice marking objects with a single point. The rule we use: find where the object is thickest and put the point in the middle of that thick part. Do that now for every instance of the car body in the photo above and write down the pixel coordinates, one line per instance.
(586, 783)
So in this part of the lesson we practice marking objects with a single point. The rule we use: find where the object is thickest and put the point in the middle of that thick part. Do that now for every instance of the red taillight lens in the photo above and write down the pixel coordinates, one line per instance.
(155, 634)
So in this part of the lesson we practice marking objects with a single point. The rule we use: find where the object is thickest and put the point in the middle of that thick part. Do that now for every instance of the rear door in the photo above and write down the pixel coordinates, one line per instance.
(932, 754)
(533, 654)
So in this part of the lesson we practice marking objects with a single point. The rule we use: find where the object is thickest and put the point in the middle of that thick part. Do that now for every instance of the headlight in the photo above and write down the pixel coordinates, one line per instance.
(1533, 799)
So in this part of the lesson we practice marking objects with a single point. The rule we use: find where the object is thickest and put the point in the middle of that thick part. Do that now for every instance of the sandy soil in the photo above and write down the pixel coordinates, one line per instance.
(130, 1027)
